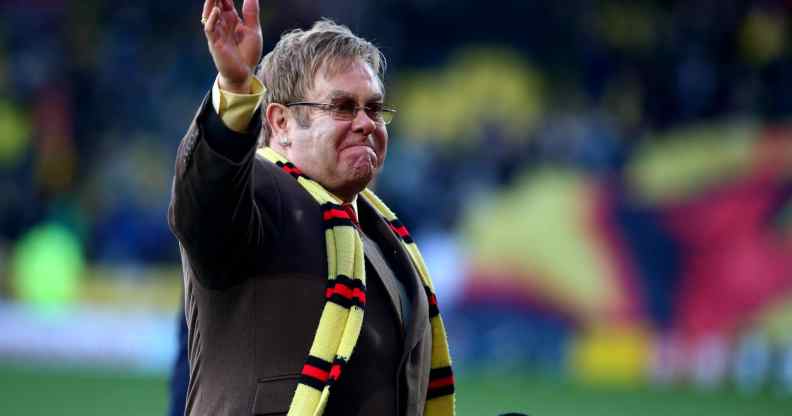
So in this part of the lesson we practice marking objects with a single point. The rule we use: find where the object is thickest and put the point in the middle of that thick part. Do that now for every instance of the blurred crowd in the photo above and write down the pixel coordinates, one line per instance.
(622, 162)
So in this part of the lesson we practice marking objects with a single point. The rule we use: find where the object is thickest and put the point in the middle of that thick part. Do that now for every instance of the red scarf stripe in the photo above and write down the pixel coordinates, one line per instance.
(346, 281)
(315, 372)
(332, 213)
(434, 310)
(441, 382)
(335, 215)
(292, 170)
(313, 377)
(400, 230)
(346, 292)
(335, 372)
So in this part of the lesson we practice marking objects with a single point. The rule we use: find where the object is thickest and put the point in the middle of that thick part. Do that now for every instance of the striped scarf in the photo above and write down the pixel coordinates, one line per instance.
(342, 316)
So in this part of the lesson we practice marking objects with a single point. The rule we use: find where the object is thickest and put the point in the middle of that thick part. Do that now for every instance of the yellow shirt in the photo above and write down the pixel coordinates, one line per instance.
(236, 110)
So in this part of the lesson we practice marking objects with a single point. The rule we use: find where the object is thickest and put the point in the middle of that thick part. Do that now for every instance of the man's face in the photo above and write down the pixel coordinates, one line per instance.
(342, 155)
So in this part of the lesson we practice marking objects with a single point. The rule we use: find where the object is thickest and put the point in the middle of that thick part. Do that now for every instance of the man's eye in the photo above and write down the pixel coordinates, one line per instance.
(346, 107)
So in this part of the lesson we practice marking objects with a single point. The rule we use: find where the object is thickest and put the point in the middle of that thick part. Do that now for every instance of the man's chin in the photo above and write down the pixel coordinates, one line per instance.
(354, 181)
(360, 178)
(361, 169)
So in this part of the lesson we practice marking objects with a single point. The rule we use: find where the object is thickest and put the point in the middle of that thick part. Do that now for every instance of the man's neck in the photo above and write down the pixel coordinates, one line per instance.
(348, 197)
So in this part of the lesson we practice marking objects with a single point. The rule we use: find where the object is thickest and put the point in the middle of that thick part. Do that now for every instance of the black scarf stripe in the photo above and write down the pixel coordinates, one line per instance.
(292, 170)
(338, 222)
(330, 372)
(346, 281)
(315, 373)
(400, 230)
(442, 391)
(441, 372)
(334, 215)
(434, 310)
(441, 382)
(319, 363)
(312, 382)
(346, 302)
(341, 292)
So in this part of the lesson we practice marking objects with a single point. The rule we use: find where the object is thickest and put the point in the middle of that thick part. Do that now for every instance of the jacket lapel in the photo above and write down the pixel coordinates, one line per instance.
(419, 316)
(377, 260)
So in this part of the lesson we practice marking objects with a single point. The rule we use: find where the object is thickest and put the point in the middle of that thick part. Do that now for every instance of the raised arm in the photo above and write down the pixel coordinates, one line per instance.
(212, 211)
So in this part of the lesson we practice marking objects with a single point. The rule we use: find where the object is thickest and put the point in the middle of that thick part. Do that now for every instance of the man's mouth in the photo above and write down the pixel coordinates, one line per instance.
(359, 148)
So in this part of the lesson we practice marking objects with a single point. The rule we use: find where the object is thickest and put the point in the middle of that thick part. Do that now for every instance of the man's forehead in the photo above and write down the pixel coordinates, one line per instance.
(347, 79)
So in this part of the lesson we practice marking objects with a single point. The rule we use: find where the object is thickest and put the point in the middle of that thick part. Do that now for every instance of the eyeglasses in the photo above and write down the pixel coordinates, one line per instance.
(347, 110)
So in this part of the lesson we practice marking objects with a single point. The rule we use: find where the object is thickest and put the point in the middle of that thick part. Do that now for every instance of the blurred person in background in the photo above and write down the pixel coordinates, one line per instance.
(283, 246)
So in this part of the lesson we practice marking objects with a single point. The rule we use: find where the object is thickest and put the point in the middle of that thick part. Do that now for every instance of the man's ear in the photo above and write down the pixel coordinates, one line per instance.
(277, 119)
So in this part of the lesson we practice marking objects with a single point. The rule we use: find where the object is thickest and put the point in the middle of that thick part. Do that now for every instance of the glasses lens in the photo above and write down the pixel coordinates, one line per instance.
(344, 111)
(386, 116)
(374, 114)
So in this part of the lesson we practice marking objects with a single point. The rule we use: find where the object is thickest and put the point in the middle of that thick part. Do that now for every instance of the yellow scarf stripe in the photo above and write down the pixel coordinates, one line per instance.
(346, 253)
(440, 355)
(355, 321)
(331, 323)
(330, 244)
(339, 326)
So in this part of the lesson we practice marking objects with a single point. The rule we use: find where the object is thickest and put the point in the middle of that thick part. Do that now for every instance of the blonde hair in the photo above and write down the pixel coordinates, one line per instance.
(289, 70)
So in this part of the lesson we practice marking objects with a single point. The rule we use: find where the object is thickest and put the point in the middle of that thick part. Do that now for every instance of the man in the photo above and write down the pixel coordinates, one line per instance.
(303, 292)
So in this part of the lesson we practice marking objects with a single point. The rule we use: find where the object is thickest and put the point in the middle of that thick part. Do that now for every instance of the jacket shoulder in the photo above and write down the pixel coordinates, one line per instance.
(270, 178)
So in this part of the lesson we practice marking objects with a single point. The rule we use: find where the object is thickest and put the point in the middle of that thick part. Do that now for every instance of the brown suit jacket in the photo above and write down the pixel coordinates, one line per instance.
(255, 269)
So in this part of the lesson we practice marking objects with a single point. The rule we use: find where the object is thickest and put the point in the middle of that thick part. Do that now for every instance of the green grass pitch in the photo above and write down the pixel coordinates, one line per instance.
(66, 392)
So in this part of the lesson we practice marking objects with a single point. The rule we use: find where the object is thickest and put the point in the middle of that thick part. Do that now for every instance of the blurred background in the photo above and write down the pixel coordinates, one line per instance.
(602, 189)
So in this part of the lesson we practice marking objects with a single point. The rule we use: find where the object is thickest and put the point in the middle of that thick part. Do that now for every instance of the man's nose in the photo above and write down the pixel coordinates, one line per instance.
(363, 123)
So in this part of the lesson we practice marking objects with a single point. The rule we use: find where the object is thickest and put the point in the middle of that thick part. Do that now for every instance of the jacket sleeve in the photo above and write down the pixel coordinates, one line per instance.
(212, 211)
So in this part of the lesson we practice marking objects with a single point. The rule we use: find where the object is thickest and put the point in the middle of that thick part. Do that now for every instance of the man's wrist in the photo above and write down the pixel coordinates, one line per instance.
(235, 87)
(235, 109)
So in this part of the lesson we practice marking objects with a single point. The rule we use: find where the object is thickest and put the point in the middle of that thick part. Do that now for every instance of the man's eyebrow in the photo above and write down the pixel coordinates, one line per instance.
(336, 94)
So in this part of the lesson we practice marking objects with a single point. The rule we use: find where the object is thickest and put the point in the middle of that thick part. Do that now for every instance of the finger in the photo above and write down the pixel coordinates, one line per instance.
(207, 8)
(232, 12)
(227, 5)
(212, 21)
(226, 25)
(250, 13)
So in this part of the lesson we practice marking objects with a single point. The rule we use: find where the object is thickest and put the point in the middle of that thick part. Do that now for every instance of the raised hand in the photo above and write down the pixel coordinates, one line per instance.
(235, 43)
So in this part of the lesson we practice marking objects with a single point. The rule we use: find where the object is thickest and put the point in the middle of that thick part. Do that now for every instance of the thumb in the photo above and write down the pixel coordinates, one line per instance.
(250, 13)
